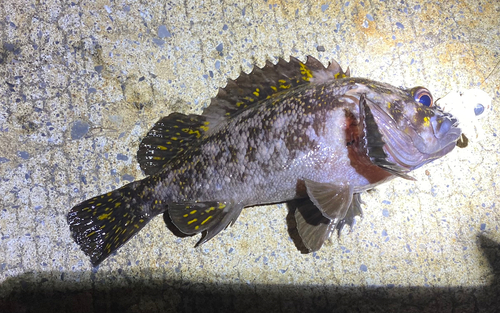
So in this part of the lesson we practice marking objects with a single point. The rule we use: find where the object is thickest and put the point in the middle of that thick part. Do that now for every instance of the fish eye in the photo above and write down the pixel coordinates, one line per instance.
(423, 96)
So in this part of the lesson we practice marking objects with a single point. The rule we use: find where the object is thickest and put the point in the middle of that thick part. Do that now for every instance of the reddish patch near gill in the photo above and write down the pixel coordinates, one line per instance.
(357, 152)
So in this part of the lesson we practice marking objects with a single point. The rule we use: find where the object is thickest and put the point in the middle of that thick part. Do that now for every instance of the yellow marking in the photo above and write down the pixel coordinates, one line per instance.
(210, 209)
(197, 227)
(118, 204)
(206, 220)
(136, 226)
(427, 121)
(103, 216)
(185, 215)
(205, 128)
(222, 205)
(192, 212)
(196, 132)
(162, 147)
(141, 221)
(192, 221)
(283, 84)
(274, 88)
(342, 75)
(256, 92)
(174, 138)
(109, 194)
(239, 103)
(91, 234)
(307, 75)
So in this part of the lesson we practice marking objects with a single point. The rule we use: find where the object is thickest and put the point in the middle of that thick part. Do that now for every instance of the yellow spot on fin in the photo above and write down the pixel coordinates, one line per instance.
(169, 137)
(102, 229)
(211, 216)
(104, 216)
(306, 73)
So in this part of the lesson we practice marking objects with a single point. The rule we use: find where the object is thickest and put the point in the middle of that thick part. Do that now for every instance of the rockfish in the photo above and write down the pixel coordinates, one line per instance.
(290, 131)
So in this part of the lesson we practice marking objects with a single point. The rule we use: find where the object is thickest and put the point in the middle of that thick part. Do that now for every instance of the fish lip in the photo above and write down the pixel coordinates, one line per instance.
(445, 125)
(447, 132)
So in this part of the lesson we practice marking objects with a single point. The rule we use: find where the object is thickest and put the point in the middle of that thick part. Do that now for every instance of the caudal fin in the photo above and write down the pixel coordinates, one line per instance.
(104, 223)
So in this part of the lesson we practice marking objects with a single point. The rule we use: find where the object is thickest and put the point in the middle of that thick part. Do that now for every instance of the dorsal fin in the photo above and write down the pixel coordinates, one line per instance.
(170, 136)
(264, 83)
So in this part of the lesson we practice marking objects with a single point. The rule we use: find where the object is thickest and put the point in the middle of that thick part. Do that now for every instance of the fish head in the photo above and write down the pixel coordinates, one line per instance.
(414, 131)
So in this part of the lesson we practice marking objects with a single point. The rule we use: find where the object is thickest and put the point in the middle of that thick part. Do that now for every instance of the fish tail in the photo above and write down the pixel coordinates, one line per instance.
(104, 223)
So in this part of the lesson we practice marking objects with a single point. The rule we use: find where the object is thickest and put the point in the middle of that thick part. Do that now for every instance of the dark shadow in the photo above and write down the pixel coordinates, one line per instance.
(291, 224)
(54, 292)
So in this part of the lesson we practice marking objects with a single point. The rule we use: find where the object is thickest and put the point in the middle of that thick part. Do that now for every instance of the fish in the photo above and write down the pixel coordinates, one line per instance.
(290, 131)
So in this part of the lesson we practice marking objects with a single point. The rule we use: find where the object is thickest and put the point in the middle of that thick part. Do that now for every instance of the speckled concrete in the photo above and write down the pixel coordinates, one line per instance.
(83, 81)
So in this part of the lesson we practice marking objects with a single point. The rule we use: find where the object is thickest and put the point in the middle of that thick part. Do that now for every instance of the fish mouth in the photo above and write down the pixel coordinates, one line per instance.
(446, 125)
(447, 132)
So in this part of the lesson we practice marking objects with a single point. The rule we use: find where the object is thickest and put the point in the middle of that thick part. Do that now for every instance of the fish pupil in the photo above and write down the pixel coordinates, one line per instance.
(425, 100)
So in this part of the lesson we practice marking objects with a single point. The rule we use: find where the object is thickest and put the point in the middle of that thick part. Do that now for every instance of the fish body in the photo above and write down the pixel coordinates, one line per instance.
(290, 131)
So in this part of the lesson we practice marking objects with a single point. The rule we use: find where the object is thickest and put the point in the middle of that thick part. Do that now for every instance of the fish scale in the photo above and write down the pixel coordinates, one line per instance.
(286, 132)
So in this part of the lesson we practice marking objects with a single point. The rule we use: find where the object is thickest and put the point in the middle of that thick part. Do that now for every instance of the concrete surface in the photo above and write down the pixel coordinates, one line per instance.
(83, 81)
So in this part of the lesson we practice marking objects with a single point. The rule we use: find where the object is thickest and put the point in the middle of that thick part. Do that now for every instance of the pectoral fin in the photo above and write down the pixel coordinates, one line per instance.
(208, 218)
(332, 200)
(318, 216)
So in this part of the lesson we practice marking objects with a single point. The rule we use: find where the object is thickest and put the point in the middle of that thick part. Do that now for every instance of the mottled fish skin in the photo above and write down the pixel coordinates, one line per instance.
(321, 136)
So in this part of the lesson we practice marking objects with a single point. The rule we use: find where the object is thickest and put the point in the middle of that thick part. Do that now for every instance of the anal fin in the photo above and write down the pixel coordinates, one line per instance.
(208, 217)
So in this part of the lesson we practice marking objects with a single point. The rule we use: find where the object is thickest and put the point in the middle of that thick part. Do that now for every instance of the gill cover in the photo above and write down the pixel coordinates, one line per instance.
(414, 134)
